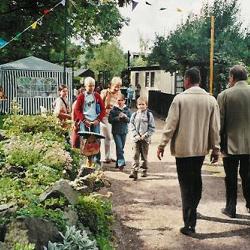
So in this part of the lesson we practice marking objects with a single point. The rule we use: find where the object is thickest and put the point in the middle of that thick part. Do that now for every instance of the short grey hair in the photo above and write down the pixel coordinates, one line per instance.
(89, 80)
(116, 80)
(238, 72)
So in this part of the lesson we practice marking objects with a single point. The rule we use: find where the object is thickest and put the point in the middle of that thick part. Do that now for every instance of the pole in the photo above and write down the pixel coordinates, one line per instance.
(65, 41)
(128, 61)
(211, 57)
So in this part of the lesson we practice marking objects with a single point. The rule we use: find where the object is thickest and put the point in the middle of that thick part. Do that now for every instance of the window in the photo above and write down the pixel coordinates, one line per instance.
(146, 79)
(152, 79)
(31, 87)
(136, 79)
(178, 84)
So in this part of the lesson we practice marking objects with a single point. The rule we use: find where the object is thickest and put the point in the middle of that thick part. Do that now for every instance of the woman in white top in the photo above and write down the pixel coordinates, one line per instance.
(61, 105)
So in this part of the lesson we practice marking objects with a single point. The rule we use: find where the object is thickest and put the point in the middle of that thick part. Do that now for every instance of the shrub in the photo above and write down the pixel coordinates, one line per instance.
(74, 239)
(96, 214)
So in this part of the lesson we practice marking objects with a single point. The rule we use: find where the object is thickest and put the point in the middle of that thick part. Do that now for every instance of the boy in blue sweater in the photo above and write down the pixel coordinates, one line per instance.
(119, 117)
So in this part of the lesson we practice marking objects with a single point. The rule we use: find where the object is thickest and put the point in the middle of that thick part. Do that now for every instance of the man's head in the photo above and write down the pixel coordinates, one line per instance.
(192, 77)
(89, 84)
(237, 73)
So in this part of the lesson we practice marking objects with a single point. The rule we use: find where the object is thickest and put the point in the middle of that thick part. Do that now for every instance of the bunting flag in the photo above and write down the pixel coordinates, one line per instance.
(179, 10)
(33, 25)
(148, 3)
(3, 43)
(163, 8)
(63, 2)
(134, 4)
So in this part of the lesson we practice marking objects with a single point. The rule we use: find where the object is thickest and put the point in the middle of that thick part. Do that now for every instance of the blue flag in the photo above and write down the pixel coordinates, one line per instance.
(2, 42)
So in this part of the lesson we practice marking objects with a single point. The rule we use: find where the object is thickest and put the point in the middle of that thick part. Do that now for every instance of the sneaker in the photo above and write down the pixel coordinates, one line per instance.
(227, 213)
(189, 231)
(121, 167)
(144, 174)
(133, 175)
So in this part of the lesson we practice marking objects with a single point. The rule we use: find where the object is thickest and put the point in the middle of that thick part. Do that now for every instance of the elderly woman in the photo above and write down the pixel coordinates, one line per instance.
(109, 97)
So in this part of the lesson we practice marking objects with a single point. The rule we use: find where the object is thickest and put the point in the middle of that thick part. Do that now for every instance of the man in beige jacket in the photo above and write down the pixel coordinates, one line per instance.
(193, 125)
(234, 106)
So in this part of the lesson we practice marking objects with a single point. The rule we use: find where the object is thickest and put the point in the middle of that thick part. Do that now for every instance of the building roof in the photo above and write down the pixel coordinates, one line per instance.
(83, 72)
(32, 63)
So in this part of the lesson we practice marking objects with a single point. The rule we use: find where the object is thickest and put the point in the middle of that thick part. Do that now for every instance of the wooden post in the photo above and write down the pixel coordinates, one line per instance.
(211, 57)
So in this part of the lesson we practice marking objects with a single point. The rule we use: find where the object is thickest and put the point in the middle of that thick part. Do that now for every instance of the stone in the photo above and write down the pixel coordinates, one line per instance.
(61, 188)
(31, 230)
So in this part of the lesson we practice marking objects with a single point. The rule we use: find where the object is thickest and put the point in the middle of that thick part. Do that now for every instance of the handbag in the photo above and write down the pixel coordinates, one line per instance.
(90, 146)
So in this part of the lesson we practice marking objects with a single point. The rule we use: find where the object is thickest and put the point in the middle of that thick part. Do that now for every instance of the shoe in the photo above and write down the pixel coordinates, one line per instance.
(144, 174)
(121, 167)
(133, 175)
(107, 161)
(248, 210)
(189, 231)
(112, 160)
(227, 213)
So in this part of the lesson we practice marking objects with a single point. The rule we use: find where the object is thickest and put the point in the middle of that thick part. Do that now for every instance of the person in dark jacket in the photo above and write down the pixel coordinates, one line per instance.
(119, 118)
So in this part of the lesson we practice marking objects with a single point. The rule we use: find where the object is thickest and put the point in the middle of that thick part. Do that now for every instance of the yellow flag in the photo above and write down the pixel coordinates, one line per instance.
(179, 10)
(33, 25)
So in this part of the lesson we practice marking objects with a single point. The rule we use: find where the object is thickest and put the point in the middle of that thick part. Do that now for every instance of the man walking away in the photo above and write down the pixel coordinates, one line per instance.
(193, 126)
(234, 106)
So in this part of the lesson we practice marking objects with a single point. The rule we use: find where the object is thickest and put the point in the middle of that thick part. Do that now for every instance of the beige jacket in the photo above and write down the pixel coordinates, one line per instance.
(193, 123)
(234, 106)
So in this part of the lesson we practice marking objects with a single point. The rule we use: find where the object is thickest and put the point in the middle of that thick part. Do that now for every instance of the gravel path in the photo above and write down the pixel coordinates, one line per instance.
(148, 211)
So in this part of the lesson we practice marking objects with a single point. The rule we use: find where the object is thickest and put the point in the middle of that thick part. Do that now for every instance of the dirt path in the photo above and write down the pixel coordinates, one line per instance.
(148, 211)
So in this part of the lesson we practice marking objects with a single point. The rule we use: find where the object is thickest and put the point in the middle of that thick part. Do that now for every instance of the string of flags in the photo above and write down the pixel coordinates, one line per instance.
(135, 3)
(33, 26)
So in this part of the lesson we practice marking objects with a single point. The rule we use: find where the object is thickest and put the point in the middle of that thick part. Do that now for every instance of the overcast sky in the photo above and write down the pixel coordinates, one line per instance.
(148, 20)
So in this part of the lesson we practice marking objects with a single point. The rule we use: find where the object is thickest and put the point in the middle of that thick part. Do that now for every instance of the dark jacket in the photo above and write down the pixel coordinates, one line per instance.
(119, 125)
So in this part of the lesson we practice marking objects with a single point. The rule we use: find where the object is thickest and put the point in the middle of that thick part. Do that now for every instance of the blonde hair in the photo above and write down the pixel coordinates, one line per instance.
(116, 80)
(142, 99)
(121, 96)
(89, 80)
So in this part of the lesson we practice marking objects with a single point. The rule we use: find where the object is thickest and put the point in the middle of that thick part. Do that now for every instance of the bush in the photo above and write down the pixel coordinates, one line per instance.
(74, 239)
(96, 214)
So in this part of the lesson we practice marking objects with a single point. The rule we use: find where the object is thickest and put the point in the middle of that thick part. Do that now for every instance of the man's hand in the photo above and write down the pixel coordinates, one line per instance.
(138, 138)
(95, 122)
(214, 157)
(160, 152)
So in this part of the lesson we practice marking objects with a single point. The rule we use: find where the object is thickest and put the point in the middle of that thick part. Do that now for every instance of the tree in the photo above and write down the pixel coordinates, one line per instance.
(108, 57)
(189, 44)
(88, 21)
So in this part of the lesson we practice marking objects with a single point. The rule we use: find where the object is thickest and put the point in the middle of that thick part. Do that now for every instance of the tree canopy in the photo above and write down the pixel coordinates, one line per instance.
(90, 22)
(108, 57)
(189, 44)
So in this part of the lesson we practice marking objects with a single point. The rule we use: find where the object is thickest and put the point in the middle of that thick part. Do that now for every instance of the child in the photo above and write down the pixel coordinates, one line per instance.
(142, 127)
(119, 117)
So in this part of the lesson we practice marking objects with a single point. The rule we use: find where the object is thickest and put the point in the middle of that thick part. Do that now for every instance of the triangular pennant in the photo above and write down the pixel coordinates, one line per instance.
(40, 22)
(63, 2)
(179, 10)
(2, 42)
(45, 12)
(33, 25)
(148, 3)
(134, 4)
(163, 8)
(17, 36)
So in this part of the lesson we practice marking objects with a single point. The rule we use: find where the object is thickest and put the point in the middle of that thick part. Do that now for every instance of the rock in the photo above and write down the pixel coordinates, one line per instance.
(8, 208)
(61, 188)
(31, 230)
(85, 171)
(71, 216)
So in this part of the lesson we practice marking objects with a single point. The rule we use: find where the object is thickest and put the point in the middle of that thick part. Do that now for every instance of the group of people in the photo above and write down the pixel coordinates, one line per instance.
(196, 123)
(108, 114)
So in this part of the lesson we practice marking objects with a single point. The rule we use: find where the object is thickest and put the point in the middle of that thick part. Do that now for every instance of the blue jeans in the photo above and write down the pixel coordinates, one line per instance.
(119, 144)
(95, 129)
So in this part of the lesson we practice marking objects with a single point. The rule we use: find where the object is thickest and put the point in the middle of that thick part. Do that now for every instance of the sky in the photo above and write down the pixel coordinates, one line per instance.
(147, 21)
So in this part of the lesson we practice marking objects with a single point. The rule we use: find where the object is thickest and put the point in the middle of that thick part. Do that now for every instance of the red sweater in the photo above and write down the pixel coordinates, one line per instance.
(78, 110)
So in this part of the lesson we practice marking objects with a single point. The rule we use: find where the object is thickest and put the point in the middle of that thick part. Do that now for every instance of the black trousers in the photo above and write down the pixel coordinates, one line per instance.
(189, 176)
(231, 164)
